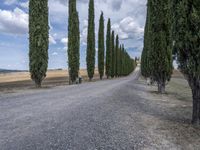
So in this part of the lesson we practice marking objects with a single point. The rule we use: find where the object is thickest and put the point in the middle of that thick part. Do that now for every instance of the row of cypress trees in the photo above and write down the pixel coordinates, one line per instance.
(119, 63)
(116, 57)
(112, 63)
(174, 32)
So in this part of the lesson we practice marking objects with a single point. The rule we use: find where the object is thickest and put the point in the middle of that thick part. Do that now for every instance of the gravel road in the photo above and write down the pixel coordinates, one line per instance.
(104, 115)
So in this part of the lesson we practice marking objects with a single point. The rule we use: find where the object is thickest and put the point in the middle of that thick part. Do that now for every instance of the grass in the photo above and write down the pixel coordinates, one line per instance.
(177, 87)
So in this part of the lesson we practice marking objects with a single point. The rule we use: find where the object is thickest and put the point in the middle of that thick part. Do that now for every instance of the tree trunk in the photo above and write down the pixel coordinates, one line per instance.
(38, 84)
(70, 81)
(161, 87)
(196, 106)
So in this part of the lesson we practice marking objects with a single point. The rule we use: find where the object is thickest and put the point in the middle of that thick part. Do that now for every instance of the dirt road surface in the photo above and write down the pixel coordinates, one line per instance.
(118, 114)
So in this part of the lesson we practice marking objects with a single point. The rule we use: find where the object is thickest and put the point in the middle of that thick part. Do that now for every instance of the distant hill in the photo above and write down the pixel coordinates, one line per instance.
(10, 71)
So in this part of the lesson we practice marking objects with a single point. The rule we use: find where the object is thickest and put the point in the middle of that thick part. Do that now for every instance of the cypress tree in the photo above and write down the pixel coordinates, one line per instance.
(113, 54)
(91, 41)
(74, 42)
(145, 70)
(108, 50)
(101, 47)
(186, 37)
(160, 53)
(120, 60)
(38, 40)
(117, 57)
(126, 64)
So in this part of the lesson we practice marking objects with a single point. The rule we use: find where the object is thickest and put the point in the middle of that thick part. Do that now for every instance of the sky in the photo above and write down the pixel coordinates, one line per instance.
(127, 18)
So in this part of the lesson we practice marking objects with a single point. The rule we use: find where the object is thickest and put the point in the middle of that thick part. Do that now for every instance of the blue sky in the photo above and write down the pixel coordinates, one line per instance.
(127, 16)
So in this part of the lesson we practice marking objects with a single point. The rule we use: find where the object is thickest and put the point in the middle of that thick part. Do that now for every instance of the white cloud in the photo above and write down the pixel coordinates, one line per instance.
(52, 40)
(13, 22)
(24, 4)
(54, 54)
(128, 29)
(64, 41)
(58, 11)
(65, 48)
(83, 36)
(16, 22)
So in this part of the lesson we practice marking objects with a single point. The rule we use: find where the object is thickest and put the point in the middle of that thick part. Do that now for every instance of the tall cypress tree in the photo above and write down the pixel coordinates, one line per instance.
(101, 47)
(120, 60)
(113, 54)
(160, 53)
(38, 40)
(108, 50)
(145, 70)
(74, 42)
(91, 41)
(123, 65)
(117, 57)
(186, 27)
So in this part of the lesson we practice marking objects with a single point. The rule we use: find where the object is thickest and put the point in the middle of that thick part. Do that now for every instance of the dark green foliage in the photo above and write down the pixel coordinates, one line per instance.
(120, 60)
(122, 63)
(113, 54)
(38, 40)
(108, 50)
(117, 56)
(91, 41)
(73, 42)
(128, 64)
(145, 68)
(101, 47)
(160, 51)
(186, 36)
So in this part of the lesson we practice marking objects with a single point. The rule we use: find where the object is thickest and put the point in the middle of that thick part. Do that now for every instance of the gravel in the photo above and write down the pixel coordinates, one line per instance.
(106, 115)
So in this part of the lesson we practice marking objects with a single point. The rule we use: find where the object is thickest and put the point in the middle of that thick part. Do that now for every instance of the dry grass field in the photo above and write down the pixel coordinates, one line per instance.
(12, 82)
(177, 87)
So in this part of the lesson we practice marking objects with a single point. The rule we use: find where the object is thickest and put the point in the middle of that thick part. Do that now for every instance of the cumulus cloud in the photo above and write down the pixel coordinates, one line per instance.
(83, 36)
(58, 11)
(52, 40)
(54, 54)
(64, 41)
(14, 22)
(24, 4)
(128, 29)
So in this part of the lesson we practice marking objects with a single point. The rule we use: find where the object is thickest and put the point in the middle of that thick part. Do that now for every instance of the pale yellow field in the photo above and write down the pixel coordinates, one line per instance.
(10, 82)
(24, 76)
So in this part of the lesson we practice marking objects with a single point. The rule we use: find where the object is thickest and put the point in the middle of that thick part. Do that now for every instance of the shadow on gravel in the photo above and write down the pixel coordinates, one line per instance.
(167, 115)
